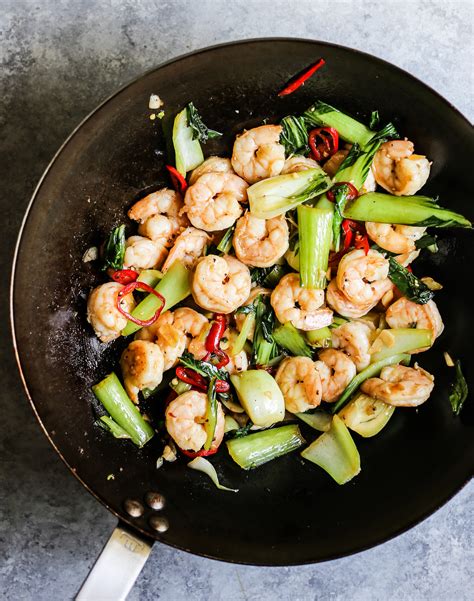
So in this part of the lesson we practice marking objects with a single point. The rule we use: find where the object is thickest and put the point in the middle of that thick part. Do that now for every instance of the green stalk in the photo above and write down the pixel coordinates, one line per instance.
(421, 211)
(325, 115)
(150, 277)
(277, 195)
(179, 387)
(289, 338)
(259, 448)
(369, 372)
(366, 416)
(317, 420)
(108, 424)
(174, 286)
(241, 339)
(188, 151)
(400, 340)
(335, 452)
(113, 397)
(211, 413)
(260, 396)
(225, 244)
(315, 236)
(318, 337)
(264, 346)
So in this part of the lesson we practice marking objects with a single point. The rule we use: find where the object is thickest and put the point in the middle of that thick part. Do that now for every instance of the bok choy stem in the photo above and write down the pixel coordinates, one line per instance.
(315, 236)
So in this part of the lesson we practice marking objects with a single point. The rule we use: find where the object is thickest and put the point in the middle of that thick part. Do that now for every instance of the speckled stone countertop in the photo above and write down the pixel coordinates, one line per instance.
(59, 60)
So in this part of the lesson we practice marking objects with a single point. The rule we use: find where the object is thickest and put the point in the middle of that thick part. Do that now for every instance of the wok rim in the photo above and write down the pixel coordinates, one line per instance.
(129, 523)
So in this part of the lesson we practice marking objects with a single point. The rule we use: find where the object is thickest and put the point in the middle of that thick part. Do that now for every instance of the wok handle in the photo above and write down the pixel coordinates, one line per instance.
(117, 567)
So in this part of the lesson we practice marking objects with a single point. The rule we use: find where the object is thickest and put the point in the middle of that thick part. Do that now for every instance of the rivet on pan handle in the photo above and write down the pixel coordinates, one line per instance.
(117, 567)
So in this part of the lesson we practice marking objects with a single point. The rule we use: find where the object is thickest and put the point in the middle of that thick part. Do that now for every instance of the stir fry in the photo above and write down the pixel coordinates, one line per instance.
(273, 291)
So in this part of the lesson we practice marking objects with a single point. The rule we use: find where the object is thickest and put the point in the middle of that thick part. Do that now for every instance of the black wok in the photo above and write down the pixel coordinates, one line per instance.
(286, 512)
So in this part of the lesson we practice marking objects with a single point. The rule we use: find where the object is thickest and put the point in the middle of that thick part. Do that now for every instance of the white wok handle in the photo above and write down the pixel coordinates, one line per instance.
(116, 568)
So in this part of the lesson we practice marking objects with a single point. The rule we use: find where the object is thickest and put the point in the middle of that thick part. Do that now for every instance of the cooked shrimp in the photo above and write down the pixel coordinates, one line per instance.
(397, 239)
(363, 278)
(303, 307)
(240, 317)
(336, 370)
(406, 258)
(404, 313)
(142, 367)
(174, 332)
(187, 248)
(300, 384)
(213, 202)
(332, 165)
(354, 338)
(186, 421)
(162, 228)
(400, 386)
(237, 363)
(258, 154)
(102, 312)
(298, 163)
(398, 170)
(143, 253)
(260, 242)
(211, 165)
(342, 305)
(220, 284)
(163, 202)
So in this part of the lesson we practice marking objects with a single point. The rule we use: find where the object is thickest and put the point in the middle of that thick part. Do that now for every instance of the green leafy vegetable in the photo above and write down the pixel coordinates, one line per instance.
(200, 131)
(459, 390)
(114, 249)
(244, 431)
(294, 136)
(427, 241)
(225, 244)
(413, 288)
(374, 119)
(264, 346)
(288, 337)
(211, 413)
(267, 276)
(205, 369)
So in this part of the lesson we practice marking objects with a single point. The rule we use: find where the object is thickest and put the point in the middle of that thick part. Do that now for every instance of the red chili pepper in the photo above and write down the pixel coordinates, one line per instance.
(123, 276)
(224, 359)
(409, 268)
(352, 191)
(348, 232)
(189, 376)
(216, 332)
(324, 142)
(201, 453)
(140, 286)
(179, 182)
(362, 241)
(299, 80)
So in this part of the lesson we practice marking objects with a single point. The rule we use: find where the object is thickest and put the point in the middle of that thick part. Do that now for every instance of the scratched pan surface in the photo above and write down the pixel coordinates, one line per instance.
(286, 512)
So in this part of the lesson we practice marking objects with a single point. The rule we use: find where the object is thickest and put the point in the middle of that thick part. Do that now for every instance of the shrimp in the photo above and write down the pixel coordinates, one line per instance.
(400, 386)
(397, 239)
(336, 370)
(143, 253)
(398, 170)
(163, 202)
(220, 284)
(406, 258)
(332, 165)
(342, 305)
(354, 338)
(187, 248)
(211, 165)
(363, 278)
(142, 367)
(300, 384)
(186, 421)
(260, 242)
(303, 307)
(258, 154)
(174, 332)
(162, 228)
(298, 163)
(404, 313)
(240, 317)
(213, 202)
(102, 312)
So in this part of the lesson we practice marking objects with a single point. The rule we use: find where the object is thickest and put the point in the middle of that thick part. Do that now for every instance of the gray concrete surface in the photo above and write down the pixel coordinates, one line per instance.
(59, 59)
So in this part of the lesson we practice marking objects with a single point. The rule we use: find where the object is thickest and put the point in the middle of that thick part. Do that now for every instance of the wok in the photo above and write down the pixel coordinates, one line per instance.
(286, 512)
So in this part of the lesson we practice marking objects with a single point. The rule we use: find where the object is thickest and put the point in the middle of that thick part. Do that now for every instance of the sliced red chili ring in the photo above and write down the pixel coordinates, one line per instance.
(146, 288)
(222, 386)
(362, 242)
(216, 332)
(123, 276)
(299, 80)
(352, 191)
(201, 453)
(324, 142)
(189, 376)
(179, 182)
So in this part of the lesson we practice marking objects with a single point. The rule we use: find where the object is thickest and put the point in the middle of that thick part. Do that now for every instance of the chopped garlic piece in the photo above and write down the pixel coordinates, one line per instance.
(155, 102)
(91, 254)
(448, 359)
(432, 284)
